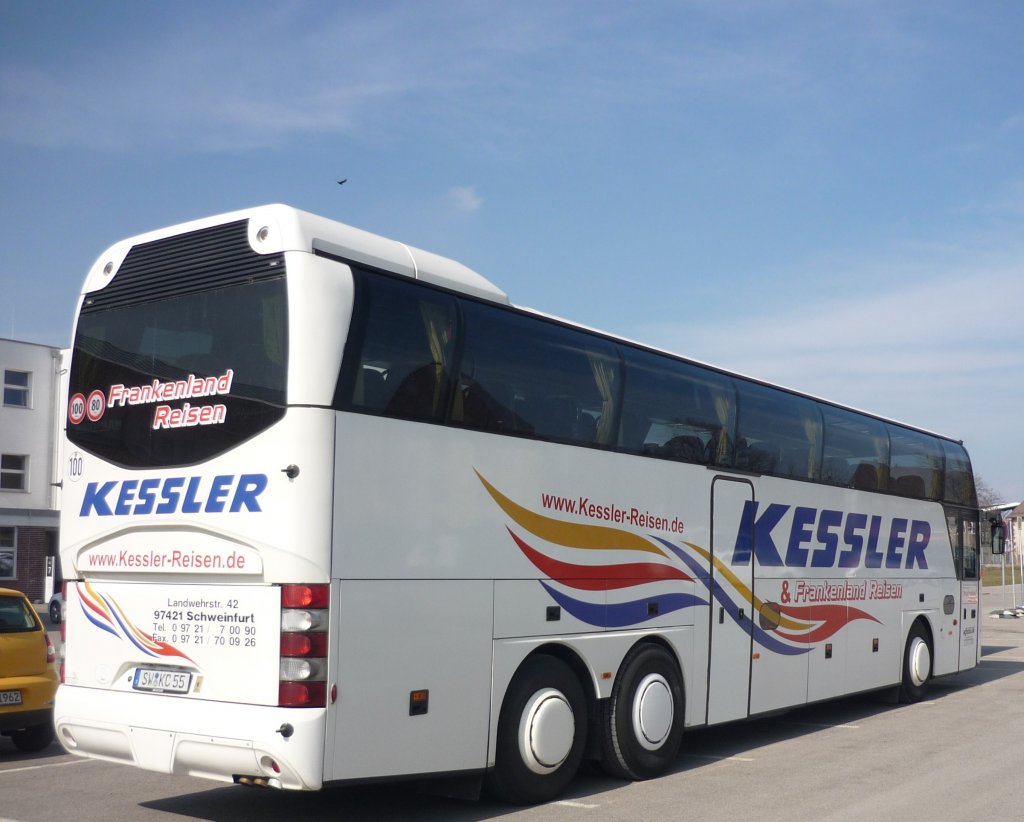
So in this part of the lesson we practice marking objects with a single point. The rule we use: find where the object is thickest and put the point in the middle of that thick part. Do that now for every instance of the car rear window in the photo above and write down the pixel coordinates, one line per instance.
(16, 615)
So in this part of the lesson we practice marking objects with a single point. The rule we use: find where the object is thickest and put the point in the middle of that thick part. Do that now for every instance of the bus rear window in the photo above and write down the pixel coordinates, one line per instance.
(179, 380)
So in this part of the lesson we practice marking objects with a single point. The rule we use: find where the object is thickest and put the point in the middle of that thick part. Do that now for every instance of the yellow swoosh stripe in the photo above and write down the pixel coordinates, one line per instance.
(747, 594)
(571, 535)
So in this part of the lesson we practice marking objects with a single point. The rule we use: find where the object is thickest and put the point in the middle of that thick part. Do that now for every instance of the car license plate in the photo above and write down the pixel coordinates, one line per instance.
(168, 682)
(10, 697)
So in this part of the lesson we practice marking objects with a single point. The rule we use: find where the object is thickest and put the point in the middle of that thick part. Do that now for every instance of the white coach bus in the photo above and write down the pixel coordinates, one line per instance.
(334, 510)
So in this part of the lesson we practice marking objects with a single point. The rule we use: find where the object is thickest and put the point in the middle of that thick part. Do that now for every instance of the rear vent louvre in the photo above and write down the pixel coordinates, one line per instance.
(186, 264)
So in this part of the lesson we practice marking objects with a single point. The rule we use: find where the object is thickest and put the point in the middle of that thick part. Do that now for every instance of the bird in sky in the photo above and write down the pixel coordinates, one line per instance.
(342, 182)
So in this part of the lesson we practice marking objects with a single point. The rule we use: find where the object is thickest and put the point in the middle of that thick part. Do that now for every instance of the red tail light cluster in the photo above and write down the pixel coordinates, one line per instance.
(303, 646)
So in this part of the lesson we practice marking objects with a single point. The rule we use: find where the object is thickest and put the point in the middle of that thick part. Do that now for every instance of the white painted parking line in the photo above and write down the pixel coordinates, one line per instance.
(721, 758)
(4, 771)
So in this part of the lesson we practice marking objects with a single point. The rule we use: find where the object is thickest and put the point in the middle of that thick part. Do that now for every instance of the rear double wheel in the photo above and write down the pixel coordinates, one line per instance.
(643, 718)
(542, 732)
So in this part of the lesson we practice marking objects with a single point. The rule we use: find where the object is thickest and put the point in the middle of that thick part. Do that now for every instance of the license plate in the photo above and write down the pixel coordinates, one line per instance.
(168, 682)
(10, 697)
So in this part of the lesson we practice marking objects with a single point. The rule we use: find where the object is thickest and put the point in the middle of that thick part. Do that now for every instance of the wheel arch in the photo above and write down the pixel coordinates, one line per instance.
(571, 657)
(661, 642)
(910, 620)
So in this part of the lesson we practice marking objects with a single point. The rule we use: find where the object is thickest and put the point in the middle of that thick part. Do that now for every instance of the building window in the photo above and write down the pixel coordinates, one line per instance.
(13, 472)
(16, 388)
(8, 554)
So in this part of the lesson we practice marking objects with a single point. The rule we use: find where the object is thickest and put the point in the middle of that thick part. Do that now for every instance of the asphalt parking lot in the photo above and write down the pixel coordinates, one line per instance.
(953, 756)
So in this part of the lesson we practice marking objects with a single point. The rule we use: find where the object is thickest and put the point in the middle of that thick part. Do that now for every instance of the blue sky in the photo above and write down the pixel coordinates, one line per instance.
(827, 194)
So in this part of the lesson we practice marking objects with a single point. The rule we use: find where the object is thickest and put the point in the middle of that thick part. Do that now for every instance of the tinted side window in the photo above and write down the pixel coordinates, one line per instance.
(856, 451)
(521, 375)
(959, 485)
(915, 464)
(777, 433)
(675, 410)
(398, 360)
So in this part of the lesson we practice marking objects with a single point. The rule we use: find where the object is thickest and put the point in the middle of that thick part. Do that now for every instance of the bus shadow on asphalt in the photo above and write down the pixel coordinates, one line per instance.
(393, 800)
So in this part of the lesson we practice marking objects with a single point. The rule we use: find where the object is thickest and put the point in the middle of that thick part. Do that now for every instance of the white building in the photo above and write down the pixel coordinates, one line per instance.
(30, 409)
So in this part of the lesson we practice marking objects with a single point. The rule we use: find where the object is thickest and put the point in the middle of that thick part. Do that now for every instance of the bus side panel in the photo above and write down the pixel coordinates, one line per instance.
(778, 674)
(828, 663)
(874, 649)
(400, 636)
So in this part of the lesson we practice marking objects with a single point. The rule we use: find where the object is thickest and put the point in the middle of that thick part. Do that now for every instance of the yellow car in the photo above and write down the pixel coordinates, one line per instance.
(28, 674)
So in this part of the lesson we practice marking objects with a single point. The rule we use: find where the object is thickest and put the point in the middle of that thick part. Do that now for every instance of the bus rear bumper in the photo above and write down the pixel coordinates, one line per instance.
(212, 740)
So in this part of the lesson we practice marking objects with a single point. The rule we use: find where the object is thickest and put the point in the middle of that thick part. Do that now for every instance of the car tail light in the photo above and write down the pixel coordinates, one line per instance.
(51, 652)
(303, 665)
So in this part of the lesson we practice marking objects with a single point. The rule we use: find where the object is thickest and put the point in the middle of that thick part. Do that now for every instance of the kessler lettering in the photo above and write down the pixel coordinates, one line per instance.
(830, 539)
(172, 495)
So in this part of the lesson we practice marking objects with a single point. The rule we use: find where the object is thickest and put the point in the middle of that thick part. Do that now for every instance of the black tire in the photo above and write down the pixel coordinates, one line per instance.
(33, 739)
(643, 719)
(917, 665)
(55, 612)
(542, 732)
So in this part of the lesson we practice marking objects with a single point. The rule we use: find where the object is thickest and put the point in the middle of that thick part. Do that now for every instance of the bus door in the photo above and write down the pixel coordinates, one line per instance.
(963, 537)
(729, 662)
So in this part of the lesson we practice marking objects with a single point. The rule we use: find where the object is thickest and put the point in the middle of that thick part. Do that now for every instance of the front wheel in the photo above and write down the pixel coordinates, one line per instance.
(643, 718)
(917, 665)
(542, 732)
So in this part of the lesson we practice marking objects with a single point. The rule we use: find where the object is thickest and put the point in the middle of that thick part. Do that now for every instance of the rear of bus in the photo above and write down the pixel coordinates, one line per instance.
(196, 522)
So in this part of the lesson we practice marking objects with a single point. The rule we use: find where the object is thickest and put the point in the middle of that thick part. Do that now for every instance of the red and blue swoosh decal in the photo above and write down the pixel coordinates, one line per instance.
(664, 575)
(613, 586)
(104, 613)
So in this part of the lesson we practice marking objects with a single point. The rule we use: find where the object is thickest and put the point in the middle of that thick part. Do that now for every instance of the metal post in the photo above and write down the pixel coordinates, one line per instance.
(1020, 608)
(1013, 579)
(1002, 575)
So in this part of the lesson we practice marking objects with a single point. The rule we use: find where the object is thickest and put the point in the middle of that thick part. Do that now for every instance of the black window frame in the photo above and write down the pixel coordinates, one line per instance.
(810, 420)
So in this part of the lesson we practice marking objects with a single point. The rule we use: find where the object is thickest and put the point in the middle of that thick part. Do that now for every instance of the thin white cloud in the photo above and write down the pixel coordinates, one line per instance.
(943, 354)
(935, 329)
(255, 80)
(465, 199)
(220, 80)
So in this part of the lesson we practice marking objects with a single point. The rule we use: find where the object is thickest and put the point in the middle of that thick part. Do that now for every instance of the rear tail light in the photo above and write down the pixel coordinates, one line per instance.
(304, 596)
(51, 653)
(303, 677)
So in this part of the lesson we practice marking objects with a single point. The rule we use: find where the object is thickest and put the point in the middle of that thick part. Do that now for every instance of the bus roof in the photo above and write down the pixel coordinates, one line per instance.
(278, 228)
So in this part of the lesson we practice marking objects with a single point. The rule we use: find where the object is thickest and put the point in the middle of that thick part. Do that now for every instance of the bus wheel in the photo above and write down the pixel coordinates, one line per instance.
(542, 731)
(643, 719)
(917, 665)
